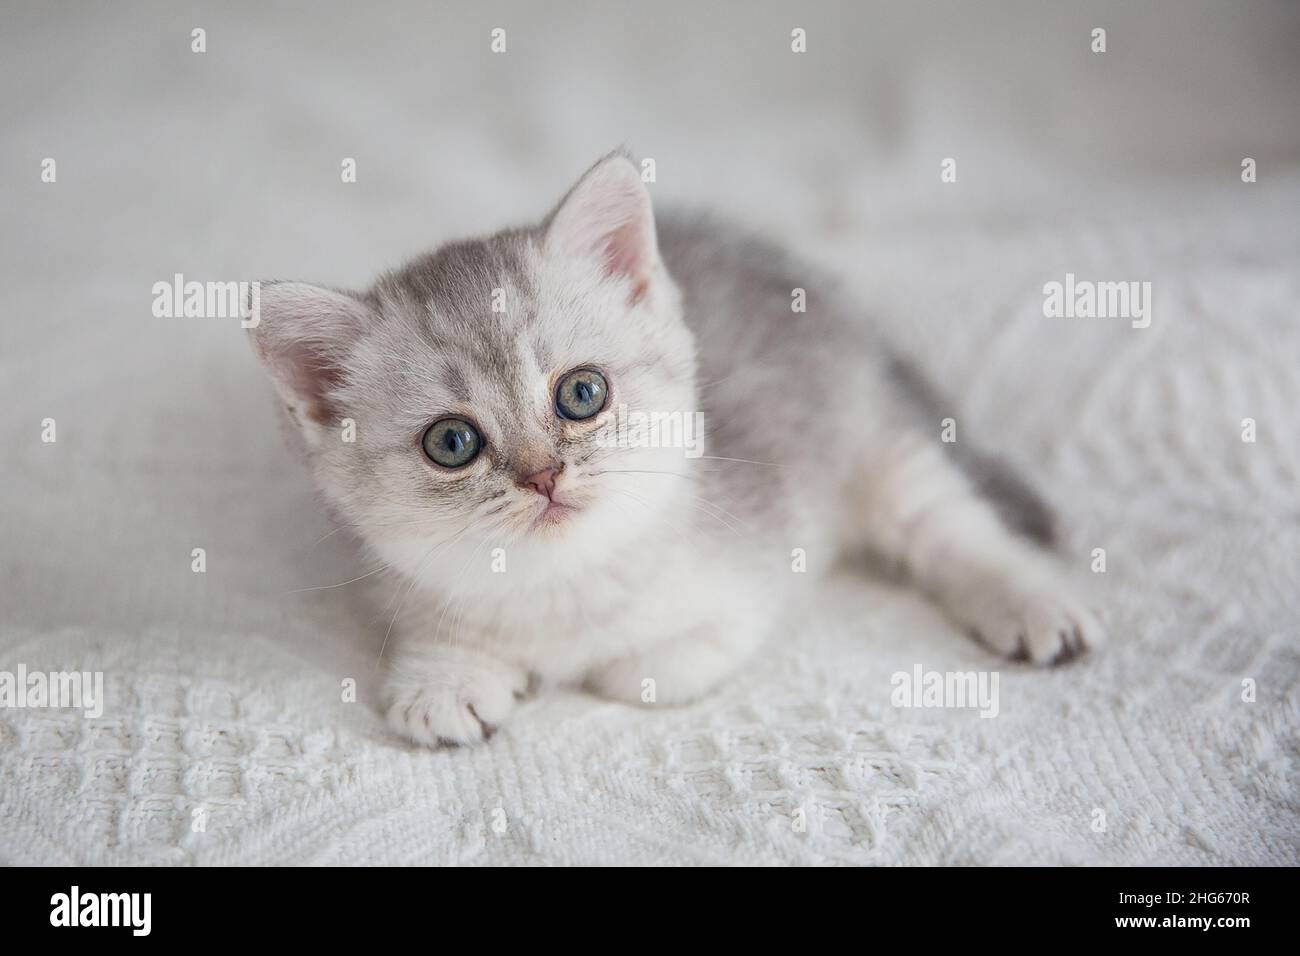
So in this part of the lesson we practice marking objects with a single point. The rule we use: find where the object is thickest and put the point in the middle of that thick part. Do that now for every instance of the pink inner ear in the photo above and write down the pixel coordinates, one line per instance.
(309, 375)
(607, 216)
(625, 254)
(304, 334)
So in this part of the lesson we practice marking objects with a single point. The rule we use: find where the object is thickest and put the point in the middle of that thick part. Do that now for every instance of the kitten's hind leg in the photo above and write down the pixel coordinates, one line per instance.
(676, 672)
(688, 665)
(922, 513)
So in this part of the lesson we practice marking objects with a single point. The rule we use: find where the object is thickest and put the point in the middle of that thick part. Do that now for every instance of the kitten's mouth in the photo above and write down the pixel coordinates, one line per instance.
(555, 513)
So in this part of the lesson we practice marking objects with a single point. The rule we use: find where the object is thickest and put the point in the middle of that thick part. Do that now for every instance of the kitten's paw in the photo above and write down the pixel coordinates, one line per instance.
(1045, 625)
(457, 702)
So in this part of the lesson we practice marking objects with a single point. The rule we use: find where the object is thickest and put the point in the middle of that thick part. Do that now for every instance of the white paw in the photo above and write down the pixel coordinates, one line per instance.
(1042, 624)
(456, 702)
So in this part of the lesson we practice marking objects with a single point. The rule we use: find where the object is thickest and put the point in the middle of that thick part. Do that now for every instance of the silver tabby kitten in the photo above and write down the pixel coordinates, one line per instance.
(537, 538)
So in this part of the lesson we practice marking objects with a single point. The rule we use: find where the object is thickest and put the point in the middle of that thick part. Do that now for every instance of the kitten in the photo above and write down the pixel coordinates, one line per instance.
(536, 539)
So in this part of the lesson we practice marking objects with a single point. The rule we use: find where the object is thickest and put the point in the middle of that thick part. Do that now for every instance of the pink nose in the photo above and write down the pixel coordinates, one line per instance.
(542, 482)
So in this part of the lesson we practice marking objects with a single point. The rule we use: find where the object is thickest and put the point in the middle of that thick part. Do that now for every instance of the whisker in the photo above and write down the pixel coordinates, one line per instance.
(326, 587)
(640, 471)
(746, 461)
(328, 534)
(734, 517)
(706, 501)
(718, 519)
(452, 589)
(645, 504)
(414, 576)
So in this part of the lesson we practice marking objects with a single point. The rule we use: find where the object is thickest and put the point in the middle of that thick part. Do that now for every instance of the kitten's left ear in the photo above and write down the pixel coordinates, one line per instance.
(607, 217)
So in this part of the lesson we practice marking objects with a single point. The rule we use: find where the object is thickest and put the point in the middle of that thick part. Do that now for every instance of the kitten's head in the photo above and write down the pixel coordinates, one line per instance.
(465, 402)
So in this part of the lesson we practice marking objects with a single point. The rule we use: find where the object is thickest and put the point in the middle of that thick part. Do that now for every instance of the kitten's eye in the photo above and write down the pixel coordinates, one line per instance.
(451, 442)
(581, 394)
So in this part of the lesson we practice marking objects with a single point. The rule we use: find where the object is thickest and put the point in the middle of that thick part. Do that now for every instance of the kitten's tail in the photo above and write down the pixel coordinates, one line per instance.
(1019, 506)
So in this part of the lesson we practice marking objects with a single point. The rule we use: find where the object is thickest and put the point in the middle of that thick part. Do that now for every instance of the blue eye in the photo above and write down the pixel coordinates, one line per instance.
(581, 394)
(451, 442)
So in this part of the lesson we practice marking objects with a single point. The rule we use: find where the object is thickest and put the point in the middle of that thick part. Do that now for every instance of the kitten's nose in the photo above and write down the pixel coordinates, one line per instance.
(542, 482)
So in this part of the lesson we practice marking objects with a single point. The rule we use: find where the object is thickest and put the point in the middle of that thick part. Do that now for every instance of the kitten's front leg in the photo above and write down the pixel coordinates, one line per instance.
(450, 694)
(920, 511)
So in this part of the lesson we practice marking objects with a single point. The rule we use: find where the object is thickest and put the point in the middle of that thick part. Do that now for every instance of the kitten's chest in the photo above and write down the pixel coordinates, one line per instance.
(562, 628)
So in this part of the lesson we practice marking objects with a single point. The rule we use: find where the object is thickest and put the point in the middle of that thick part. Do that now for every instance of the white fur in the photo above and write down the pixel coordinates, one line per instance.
(668, 571)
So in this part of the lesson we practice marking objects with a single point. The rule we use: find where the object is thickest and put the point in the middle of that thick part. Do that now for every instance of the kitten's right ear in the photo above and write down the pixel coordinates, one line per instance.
(302, 334)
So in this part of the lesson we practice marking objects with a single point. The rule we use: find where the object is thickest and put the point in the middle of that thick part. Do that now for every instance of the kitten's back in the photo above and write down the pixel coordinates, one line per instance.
(807, 389)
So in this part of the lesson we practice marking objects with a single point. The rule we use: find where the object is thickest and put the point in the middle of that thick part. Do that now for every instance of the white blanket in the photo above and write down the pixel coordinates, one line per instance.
(225, 736)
